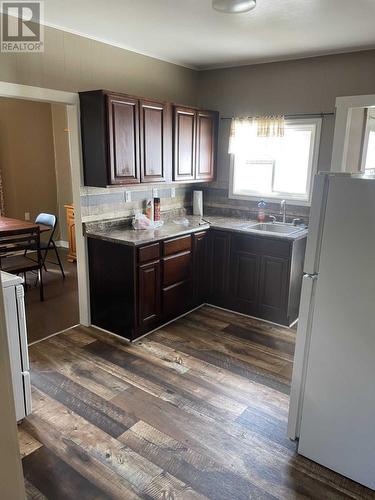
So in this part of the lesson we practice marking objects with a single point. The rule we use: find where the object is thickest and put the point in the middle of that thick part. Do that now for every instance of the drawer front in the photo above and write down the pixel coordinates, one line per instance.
(177, 245)
(149, 252)
(177, 268)
(176, 299)
(262, 246)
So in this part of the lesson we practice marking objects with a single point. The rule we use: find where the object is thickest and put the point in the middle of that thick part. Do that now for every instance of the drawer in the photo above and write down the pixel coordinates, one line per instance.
(177, 299)
(177, 245)
(262, 246)
(176, 268)
(148, 253)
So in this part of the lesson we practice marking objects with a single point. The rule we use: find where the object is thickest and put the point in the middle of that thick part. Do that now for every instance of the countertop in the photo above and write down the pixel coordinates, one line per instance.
(126, 235)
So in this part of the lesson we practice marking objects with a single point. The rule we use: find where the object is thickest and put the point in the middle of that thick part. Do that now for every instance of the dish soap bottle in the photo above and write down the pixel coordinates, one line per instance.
(262, 205)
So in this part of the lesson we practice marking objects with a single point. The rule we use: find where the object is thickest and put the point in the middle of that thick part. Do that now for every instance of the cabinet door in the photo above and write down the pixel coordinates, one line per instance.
(220, 253)
(149, 293)
(123, 139)
(205, 145)
(200, 274)
(184, 144)
(244, 281)
(274, 287)
(153, 141)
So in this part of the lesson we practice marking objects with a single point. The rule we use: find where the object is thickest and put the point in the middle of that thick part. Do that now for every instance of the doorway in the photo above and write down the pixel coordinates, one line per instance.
(36, 179)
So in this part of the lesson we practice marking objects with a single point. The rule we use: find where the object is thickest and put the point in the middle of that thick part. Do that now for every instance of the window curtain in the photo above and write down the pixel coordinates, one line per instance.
(2, 201)
(244, 129)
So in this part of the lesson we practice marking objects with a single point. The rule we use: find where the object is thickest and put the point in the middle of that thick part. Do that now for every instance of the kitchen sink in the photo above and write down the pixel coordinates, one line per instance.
(275, 227)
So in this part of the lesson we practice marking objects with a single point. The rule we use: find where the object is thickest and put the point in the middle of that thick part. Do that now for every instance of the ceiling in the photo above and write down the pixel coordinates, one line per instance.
(190, 33)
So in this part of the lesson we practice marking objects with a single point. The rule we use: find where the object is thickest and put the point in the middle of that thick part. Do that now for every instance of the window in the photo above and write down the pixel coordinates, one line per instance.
(370, 155)
(277, 167)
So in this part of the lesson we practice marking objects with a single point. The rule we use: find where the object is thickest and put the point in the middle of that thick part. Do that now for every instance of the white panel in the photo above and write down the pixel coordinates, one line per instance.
(337, 426)
(301, 353)
(14, 349)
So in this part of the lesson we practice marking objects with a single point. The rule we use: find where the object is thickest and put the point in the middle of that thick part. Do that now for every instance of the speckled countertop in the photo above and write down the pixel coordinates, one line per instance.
(122, 232)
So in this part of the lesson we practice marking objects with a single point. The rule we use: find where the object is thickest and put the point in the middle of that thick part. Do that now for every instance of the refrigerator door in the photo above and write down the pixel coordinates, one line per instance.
(317, 214)
(337, 424)
(301, 354)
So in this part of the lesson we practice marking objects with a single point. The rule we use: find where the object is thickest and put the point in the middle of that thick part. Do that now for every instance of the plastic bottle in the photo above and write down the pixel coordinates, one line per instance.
(156, 209)
(149, 210)
(262, 205)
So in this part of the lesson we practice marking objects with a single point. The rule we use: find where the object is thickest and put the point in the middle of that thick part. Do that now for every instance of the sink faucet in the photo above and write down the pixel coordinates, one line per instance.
(283, 210)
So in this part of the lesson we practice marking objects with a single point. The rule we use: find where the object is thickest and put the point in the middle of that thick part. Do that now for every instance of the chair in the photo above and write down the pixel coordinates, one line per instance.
(13, 245)
(50, 221)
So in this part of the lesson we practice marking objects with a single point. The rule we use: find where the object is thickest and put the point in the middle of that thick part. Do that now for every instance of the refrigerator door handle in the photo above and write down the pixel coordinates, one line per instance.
(27, 392)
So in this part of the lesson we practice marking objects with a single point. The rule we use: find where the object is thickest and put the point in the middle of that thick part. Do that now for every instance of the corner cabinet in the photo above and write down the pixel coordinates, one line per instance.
(257, 276)
(194, 140)
(130, 140)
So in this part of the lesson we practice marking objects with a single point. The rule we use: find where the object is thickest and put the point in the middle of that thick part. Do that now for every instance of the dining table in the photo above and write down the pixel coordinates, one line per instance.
(9, 224)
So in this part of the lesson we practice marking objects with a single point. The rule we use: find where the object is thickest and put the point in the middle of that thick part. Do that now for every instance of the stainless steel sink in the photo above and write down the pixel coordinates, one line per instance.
(275, 227)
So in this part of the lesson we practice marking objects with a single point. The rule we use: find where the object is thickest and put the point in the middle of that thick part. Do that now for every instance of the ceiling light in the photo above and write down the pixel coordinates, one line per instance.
(234, 6)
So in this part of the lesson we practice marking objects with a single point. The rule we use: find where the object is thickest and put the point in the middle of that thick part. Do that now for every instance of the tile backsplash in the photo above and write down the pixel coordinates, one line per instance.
(217, 202)
(109, 203)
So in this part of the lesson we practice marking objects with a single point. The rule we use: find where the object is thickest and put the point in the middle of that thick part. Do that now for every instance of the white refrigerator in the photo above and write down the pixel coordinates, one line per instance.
(17, 341)
(332, 406)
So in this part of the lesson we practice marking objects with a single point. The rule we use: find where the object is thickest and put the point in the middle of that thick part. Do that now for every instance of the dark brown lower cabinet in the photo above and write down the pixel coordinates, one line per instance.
(201, 272)
(220, 266)
(149, 293)
(136, 289)
(265, 275)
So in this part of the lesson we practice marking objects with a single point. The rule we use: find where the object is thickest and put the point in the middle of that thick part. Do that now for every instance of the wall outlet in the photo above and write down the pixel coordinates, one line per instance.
(27, 215)
(173, 192)
(155, 193)
(128, 196)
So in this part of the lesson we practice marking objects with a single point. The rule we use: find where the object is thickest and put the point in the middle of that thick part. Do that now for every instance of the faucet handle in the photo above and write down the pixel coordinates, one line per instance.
(272, 218)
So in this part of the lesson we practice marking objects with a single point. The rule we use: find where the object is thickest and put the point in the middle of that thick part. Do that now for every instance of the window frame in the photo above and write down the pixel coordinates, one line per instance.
(313, 168)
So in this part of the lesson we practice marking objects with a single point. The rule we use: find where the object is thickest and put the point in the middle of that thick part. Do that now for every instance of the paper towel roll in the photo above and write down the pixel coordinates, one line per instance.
(198, 203)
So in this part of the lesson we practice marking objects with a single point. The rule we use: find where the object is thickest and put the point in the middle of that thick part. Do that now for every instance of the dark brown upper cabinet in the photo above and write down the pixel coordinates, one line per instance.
(128, 140)
(205, 145)
(123, 139)
(195, 138)
(153, 140)
(184, 143)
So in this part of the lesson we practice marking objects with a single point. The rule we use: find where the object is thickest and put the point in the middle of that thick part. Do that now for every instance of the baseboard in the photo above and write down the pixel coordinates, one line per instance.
(62, 244)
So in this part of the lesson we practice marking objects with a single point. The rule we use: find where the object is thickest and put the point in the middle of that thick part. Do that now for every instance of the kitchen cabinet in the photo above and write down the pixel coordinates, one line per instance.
(123, 139)
(135, 289)
(184, 143)
(149, 293)
(195, 139)
(154, 125)
(205, 145)
(130, 140)
(265, 275)
(219, 269)
(201, 266)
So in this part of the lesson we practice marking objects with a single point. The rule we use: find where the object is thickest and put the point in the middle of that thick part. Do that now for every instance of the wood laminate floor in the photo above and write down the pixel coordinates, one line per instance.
(196, 410)
(60, 307)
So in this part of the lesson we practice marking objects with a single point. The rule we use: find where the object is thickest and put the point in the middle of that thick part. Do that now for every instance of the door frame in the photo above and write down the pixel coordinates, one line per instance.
(71, 100)
(344, 106)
